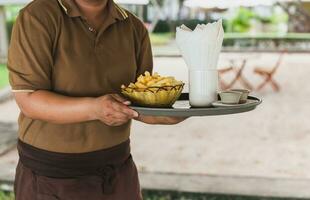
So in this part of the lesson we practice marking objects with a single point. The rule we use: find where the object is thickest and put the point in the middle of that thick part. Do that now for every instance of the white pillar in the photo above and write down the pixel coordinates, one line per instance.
(3, 35)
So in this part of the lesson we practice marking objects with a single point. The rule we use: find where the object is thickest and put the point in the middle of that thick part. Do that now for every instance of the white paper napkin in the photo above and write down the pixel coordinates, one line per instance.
(201, 47)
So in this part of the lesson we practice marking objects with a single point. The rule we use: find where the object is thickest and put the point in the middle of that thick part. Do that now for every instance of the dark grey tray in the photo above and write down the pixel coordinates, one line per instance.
(182, 108)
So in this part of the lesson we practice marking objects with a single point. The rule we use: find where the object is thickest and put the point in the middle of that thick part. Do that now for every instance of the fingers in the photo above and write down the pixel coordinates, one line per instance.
(119, 107)
(121, 99)
(114, 110)
(123, 109)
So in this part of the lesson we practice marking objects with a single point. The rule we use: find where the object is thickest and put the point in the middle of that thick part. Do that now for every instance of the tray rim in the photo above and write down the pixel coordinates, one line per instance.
(207, 111)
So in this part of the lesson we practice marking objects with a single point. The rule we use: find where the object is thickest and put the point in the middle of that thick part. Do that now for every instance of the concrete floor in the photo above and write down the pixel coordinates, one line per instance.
(263, 152)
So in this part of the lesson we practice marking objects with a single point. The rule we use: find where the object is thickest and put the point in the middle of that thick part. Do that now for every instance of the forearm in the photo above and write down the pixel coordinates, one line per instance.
(55, 108)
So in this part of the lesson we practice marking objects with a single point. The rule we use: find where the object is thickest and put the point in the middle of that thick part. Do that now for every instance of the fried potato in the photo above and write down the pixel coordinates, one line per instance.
(147, 74)
(140, 85)
(152, 81)
(132, 85)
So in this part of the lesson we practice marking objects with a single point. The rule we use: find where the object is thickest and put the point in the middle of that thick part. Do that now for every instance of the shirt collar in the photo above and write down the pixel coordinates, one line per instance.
(72, 10)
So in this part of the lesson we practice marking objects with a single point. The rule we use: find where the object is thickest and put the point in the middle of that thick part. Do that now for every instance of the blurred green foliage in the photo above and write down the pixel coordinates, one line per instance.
(6, 196)
(11, 15)
(241, 22)
(158, 39)
(4, 79)
(9, 26)
(12, 12)
(164, 26)
(190, 23)
(275, 18)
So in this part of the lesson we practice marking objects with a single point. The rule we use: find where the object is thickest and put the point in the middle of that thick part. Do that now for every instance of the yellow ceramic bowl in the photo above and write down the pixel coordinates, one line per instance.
(158, 97)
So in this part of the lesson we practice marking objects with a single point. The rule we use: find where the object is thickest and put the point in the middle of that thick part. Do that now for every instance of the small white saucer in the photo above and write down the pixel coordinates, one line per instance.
(220, 104)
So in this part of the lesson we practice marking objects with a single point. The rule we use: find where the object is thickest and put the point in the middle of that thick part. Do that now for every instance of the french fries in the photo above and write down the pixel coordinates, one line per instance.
(152, 81)
(153, 90)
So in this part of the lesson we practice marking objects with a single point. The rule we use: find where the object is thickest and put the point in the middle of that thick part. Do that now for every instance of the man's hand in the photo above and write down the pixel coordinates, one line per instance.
(113, 110)
(160, 120)
(47, 106)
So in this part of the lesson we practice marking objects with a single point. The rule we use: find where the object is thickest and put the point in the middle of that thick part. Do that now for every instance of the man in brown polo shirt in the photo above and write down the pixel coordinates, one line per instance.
(67, 61)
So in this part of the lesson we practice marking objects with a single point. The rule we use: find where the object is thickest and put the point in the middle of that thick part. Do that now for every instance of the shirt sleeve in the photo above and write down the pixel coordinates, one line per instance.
(145, 57)
(30, 58)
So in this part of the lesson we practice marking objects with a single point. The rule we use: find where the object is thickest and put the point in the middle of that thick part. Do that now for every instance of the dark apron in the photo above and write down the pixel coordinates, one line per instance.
(105, 174)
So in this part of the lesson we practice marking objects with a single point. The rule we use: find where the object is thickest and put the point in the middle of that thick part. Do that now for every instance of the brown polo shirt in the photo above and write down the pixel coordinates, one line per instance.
(54, 48)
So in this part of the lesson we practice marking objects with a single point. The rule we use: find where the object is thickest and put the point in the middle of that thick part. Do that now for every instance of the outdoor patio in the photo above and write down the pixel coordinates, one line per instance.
(264, 152)
(259, 154)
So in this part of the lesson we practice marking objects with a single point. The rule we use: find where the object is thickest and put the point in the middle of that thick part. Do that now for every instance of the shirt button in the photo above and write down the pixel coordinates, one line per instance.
(91, 29)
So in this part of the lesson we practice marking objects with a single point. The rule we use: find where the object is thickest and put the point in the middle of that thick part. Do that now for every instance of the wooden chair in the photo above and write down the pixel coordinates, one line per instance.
(268, 73)
(223, 71)
(238, 71)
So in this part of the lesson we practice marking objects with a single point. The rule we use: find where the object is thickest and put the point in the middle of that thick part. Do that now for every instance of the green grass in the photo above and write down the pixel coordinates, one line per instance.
(6, 196)
(4, 79)
(158, 39)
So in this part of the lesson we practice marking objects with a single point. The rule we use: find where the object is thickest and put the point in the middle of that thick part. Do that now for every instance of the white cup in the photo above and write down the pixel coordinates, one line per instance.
(203, 87)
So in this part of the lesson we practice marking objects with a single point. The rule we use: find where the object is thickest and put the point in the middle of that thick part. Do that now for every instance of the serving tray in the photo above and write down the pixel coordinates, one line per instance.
(182, 108)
